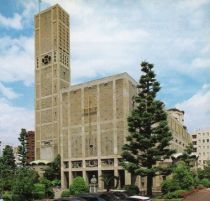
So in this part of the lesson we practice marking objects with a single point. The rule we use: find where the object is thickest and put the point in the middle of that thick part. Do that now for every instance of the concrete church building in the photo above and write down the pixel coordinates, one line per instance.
(86, 123)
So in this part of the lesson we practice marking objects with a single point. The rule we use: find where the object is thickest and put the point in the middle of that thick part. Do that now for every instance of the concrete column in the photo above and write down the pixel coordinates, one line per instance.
(83, 125)
(70, 177)
(116, 173)
(98, 125)
(114, 118)
(127, 178)
(84, 174)
(63, 182)
(100, 182)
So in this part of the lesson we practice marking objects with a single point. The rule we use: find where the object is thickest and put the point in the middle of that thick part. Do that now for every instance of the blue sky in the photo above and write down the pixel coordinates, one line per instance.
(108, 37)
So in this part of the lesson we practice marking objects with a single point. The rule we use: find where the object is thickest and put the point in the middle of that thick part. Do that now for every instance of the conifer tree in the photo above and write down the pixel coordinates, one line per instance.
(149, 135)
(22, 149)
(8, 157)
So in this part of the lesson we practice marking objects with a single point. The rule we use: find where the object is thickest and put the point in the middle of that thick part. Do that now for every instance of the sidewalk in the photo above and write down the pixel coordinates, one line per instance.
(202, 195)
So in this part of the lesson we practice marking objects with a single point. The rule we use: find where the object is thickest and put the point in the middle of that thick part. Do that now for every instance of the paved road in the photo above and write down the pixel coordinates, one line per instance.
(202, 195)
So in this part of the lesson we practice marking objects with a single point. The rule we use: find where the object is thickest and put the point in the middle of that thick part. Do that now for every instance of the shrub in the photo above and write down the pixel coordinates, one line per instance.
(132, 189)
(48, 188)
(23, 185)
(50, 193)
(182, 179)
(205, 182)
(78, 186)
(65, 193)
(183, 176)
(39, 195)
(175, 194)
(39, 191)
(7, 196)
(169, 185)
(56, 182)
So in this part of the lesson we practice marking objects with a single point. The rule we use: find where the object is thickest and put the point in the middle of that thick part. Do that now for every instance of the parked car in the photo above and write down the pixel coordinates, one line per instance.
(106, 196)
(70, 199)
(91, 197)
(137, 198)
(120, 194)
(109, 196)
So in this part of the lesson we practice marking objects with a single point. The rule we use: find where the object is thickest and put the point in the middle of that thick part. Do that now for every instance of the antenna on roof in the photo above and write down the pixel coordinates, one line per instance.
(40, 1)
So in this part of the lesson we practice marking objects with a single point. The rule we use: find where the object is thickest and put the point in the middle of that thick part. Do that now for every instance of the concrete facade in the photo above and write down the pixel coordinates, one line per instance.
(94, 126)
(181, 137)
(201, 144)
(85, 123)
(52, 73)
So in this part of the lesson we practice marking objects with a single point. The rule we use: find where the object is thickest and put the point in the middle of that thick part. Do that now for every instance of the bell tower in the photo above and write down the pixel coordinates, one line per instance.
(52, 73)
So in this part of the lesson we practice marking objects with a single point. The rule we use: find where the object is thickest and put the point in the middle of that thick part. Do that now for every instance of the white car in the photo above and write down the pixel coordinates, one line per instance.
(137, 198)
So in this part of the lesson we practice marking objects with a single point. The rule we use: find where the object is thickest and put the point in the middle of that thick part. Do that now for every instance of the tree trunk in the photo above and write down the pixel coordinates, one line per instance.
(149, 184)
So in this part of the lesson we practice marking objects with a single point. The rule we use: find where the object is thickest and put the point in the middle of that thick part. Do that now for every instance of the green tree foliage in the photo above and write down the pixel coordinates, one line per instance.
(78, 186)
(8, 157)
(205, 182)
(7, 169)
(22, 149)
(48, 187)
(39, 191)
(53, 172)
(149, 136)
(182, 179)
(23, 186)
(6, 177)
(187, 156)
(65, 193)
(205, 172)
(183, 176)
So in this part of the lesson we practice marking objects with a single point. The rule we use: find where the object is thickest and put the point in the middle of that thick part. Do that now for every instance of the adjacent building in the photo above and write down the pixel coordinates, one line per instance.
(181, 137)
(201, 143)
(85, 123)
(30, 141)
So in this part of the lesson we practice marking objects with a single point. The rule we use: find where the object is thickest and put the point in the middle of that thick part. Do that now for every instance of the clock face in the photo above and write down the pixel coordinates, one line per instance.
(46, 59)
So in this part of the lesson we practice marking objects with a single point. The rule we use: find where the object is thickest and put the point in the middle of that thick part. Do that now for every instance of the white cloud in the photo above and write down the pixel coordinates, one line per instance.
(14, 22)
(194, 4)
(197, 109)
(12, 119)
(17, 59)
(114, 37)
(201, 63)
(8, 92)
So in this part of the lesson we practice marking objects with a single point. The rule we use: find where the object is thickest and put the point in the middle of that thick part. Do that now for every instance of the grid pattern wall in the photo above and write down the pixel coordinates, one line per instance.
(95, 117)
(52, 74)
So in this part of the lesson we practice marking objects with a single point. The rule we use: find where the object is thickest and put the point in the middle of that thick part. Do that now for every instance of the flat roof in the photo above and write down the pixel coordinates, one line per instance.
(100, 80)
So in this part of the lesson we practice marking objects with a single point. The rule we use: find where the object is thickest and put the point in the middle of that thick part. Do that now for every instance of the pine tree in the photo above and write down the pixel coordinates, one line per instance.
(149, 135)
(22, 149)
(188, 157)
(8, 157)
